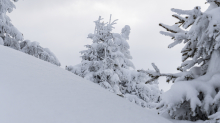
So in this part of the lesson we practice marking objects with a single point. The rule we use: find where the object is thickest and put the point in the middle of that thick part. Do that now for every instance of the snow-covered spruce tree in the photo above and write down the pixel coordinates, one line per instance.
(8, 33)
(107, 62)
(195, 94)
(34, 49)
(10, 36)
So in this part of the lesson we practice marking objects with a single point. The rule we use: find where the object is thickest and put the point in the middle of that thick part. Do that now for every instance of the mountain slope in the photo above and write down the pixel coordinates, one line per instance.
(34, 91)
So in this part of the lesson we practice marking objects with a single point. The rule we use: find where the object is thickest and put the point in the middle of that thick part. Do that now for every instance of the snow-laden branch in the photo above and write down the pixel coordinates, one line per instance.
(154, 75)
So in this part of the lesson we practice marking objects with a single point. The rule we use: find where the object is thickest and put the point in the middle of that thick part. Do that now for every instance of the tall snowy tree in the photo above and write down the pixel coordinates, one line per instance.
(107, 62)
(195, 94)
(8, 33)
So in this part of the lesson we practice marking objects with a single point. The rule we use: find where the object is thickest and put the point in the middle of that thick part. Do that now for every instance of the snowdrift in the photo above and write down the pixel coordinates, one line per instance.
(35, 91)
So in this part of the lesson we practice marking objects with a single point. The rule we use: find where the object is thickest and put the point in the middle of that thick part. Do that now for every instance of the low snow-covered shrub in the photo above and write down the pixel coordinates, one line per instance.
(34, 49)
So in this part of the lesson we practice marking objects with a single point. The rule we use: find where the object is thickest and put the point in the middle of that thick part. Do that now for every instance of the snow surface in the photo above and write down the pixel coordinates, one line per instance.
(35, 91)
(1, 41)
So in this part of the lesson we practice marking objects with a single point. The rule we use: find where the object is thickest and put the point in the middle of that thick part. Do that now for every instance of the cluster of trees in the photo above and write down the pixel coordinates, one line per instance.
(107, 63)
(11, 37)
(195, 93)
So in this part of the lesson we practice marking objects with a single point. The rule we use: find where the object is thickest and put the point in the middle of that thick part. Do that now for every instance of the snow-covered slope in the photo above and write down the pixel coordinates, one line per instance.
(34, 91)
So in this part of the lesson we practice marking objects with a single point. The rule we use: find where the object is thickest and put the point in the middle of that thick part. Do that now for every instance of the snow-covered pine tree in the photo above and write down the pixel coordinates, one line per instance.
(107, 62)
(195, 94)
(10, 36)
(8, 33)
(34, 49)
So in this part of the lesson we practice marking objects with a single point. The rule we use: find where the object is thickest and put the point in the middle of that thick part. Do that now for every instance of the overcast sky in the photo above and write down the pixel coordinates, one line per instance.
(63, 26)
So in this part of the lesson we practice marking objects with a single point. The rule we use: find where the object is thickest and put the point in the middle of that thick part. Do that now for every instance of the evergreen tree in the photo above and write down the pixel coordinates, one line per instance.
(195, 94)
(107, 62)
(10, 36)
(8, 33)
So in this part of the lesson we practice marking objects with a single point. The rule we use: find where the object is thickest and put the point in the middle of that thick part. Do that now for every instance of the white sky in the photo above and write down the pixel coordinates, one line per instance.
(63, 26)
